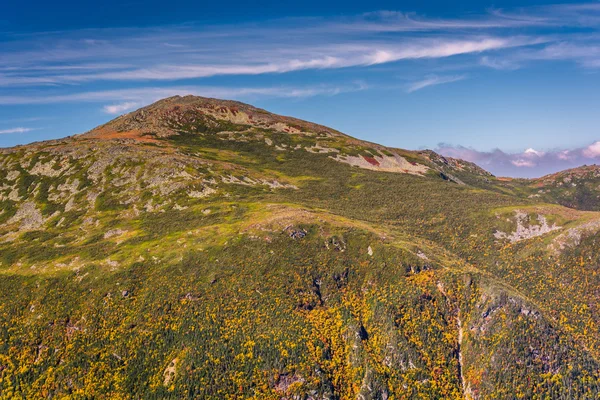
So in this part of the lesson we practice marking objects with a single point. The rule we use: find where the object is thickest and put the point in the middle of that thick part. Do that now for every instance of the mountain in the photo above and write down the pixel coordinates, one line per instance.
(576, 188)
(201, 248)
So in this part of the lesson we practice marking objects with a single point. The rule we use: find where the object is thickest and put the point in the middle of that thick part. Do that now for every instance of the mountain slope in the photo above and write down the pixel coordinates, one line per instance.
(576, 188)
(208, 249)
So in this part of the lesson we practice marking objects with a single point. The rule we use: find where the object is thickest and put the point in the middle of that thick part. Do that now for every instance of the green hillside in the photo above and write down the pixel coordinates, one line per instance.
(200, 248)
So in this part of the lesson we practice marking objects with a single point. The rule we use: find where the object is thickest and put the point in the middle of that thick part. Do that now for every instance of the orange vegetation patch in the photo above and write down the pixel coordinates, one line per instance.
(504, 179)
(134, 134)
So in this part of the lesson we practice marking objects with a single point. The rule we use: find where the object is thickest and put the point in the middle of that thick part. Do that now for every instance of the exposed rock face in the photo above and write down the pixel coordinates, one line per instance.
(394, 163)
(525, 231)
(572, 237)
(205, 192)
(28, 216)
(170, 372)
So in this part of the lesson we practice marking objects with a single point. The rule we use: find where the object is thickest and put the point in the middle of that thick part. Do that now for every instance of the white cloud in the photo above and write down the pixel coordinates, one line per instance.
(147, 95)
(581, 49)
(529, 163)
(523, 163)
(61, 66)
(560, 15)
(533, 152)
(194, 52)
(593, 150)
(498, 63)
(15, 130)
(273, 59)
(432, 81)
(564, 155)
(120, 108)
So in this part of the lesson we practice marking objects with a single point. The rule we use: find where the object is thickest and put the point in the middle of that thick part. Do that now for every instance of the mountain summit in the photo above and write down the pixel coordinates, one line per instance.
(202, 248)
(204, 115)
(230, 119)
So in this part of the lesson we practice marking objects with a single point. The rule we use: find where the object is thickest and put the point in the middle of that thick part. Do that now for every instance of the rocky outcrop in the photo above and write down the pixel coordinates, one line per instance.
(526, 229)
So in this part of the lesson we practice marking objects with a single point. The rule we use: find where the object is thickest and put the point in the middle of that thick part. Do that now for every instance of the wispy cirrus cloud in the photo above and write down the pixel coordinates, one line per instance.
(583, 50)
(433, 80)
(22, 119)
(524, 17)
(268, 59)
(530, 163)
(296, 44)
(499, 63)
(130, 98)
(195, 52)
(557, 15)
(15, 130)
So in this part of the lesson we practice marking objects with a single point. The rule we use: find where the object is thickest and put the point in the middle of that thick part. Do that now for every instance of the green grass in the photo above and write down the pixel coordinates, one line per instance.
(220, 285)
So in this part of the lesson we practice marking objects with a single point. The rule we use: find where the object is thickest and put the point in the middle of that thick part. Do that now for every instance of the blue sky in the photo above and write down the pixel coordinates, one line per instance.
(513, 86)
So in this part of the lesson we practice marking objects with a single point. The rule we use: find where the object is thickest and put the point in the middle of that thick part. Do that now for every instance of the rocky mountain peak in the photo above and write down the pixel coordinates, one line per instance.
(167, 117)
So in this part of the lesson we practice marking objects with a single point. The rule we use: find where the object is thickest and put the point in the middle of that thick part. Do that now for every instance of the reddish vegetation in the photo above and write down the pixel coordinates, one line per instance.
(371, 160)
(134, 134)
